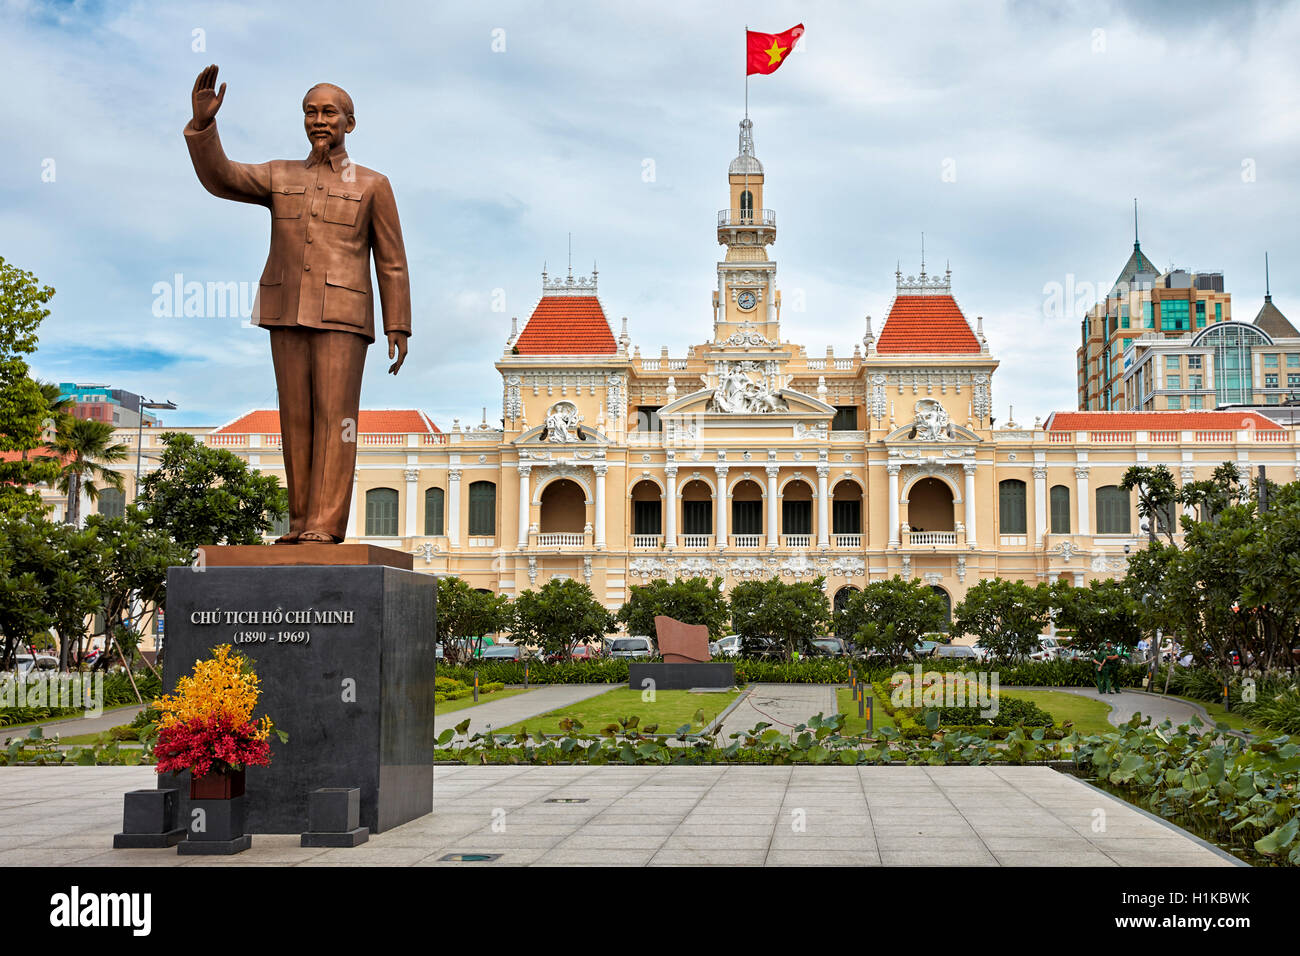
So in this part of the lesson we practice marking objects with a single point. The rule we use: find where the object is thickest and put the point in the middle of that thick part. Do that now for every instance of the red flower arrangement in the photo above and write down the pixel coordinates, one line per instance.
(207, 726)
(211, 743)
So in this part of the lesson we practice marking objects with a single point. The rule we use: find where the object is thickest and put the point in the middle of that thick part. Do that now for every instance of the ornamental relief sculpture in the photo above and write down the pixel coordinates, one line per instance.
(747, 388)
(931, 422)
(562, 420)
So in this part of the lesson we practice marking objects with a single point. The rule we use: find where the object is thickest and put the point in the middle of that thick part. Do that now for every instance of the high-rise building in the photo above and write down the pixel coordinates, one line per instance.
(1143, 303)
(101, 403)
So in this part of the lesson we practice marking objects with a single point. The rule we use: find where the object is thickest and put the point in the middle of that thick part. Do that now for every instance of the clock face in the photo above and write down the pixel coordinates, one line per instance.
(746, 300)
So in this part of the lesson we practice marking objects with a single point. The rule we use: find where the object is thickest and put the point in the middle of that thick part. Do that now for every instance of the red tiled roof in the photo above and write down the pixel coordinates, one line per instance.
(266, 421)
(926, 324)
(567, 325)
(34, 455)
(1159, 421)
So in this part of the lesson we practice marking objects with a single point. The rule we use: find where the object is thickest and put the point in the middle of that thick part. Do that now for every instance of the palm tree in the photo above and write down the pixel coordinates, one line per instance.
(83, 447)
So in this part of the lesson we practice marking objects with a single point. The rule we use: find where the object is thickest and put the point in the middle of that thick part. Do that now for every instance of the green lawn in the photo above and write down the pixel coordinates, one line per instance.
(670, 710)
(853, 724)
(1088, 715)
(447, 706)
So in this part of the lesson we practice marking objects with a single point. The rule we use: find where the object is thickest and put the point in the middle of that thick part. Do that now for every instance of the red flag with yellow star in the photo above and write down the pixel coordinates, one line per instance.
(765, 52)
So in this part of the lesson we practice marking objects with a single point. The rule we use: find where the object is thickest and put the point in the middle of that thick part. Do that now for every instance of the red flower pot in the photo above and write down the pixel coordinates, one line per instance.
(217, 785)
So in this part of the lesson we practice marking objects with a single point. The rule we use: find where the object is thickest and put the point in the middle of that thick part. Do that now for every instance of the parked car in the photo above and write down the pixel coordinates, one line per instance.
(830, 647)
(509, 652)
(728, 646)
(580, 653)
(923, 649)
(630, 647)
(1049, 649)
(26, 664)
(961, 651)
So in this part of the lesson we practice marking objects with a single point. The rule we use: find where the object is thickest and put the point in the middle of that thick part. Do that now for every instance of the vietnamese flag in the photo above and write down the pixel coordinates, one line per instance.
(765, 52)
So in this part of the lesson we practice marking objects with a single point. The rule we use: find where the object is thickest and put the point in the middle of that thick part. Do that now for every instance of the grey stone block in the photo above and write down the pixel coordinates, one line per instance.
(148, 820)
(713, 674)
(356, 698)
(334, 809)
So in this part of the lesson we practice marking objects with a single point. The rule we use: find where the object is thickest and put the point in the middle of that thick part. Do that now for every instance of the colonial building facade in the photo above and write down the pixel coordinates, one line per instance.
(747, 457)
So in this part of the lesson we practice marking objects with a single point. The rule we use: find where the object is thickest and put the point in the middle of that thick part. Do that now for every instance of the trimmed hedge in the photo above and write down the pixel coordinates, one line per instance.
(117, 693)
(818, 670)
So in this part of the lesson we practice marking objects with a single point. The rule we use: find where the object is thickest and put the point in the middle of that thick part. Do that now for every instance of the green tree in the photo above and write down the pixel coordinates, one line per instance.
(775, 619)
(25, 414)
(133, 559)
(1005, 616)
(1157, 498)
(1212, 495)
(465, 616)
(902, 611)
(47, 581)
(204, 496)
(689, 600)
(1105, 610)
(82, 444)
(559, 616)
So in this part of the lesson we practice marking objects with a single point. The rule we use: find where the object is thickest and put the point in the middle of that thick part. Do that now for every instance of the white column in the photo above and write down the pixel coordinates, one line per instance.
(600, 506)
(893, 504)
(670, 508)
(773, 529)
(525, 504)
(969, 495)
(412, 476)
(453, 508)
(1081, 492)
(1040, 504)
(720, 526)
(823, 507)
(358, 519)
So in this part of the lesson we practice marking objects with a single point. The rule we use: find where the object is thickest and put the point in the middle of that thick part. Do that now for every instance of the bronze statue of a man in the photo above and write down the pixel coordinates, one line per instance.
(315, 297)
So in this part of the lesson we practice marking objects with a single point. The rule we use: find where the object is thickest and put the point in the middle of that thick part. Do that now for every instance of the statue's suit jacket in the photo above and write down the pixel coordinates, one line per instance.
(325, 221)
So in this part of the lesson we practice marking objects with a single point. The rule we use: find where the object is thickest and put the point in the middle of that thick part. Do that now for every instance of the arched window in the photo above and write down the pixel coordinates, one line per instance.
(1232, 343)
(746, 206)
(1011, 507)
(433, 521)
(1060, 499)
(381, 513)
(947, 605)
(112, 503)
(482, 508)
(1112, 510)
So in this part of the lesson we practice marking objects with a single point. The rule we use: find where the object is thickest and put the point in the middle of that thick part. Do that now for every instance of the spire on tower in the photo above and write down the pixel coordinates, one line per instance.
(1136, 245)
(1268, 292)
(746, 162)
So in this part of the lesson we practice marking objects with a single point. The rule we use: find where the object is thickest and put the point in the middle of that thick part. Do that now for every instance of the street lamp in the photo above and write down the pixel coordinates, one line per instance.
(139, 436)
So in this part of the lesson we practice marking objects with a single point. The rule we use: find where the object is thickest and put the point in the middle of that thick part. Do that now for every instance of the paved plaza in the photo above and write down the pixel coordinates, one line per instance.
(635, 816)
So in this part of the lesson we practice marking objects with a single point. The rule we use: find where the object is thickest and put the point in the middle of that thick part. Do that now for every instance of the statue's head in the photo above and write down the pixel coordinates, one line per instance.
(328, 117)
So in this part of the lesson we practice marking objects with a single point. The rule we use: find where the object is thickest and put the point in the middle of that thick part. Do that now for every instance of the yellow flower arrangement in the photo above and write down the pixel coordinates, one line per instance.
(224, 685)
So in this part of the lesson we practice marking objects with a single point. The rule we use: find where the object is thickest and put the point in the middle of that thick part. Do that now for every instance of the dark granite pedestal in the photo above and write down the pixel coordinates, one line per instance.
(709, 674)
(346, 661)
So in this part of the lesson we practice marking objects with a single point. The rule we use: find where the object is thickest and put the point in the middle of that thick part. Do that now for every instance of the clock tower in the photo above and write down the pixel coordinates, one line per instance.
(746, 305)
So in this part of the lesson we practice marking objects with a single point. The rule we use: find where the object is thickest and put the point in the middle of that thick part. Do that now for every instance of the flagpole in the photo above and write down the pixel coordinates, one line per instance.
(746, 189)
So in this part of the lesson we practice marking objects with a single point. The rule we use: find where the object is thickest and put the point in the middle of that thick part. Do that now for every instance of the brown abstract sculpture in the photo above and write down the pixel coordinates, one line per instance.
(681, 643)
(327, 216)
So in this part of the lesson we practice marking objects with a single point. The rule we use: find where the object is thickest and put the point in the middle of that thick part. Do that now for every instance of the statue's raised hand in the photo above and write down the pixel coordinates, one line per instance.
(206, 98)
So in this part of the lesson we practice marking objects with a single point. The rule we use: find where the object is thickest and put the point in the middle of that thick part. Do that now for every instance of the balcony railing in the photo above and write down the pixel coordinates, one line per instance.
(697, 540)
(561, 539)
(746, 540)
(646, 540)
(746, 217)
(797, 540)
(848, 541)
(934, 537)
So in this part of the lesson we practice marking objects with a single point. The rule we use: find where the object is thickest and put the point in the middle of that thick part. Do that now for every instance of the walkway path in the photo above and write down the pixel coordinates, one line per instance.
(781, 705)
(675, 815)
(511, 710)
(75, 726)
(1128, 702)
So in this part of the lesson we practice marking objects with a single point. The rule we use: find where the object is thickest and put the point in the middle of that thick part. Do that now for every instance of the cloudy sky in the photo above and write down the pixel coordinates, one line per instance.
(1014, 136)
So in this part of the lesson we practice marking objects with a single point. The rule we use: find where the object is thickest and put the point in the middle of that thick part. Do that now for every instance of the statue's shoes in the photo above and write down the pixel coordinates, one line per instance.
(290, 537)
(318, 536)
